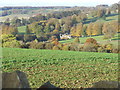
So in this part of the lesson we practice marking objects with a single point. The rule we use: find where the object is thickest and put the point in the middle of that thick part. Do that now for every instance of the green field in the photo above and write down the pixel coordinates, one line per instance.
(22, 29)
(70, 69)
(100, 39)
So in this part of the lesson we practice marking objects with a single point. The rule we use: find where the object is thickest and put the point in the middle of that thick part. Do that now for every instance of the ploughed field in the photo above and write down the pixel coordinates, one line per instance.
(70, 69)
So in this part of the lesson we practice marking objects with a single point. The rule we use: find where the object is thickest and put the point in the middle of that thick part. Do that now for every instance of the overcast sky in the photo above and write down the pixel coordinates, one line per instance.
(55, 2)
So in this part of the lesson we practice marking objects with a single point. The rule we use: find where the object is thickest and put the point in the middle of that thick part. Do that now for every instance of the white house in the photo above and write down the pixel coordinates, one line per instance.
(65, 36)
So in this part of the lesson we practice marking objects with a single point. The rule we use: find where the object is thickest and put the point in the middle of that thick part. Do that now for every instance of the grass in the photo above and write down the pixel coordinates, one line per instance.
(3, 18)
(83, 39)
(98, 38)
(22, 29)
(62, 68)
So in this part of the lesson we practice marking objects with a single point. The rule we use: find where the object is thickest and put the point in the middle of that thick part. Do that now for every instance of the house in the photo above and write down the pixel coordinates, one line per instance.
(65, 36)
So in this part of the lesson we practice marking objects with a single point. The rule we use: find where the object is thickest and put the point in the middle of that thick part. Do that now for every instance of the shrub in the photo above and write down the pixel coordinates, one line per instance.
(116, 49)
(80, 47)
(24, 45)
(36, 45)
(74, 47)
(66, 48)
(90, 47)
(19, 37)
(12, 44)
(33, 45)
(102, 49)
(8, 38)
(109, 48)
(10, 41)
(28, 38)
(91, 40)
(48, 45)
(56, 48)
(40, 45)
(60, 46)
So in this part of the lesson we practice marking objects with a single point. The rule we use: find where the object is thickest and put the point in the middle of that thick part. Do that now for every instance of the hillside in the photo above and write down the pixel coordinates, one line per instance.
(100, 39)
(62, 68)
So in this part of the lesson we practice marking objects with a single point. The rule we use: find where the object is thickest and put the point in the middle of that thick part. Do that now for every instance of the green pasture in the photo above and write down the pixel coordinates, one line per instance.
(22, 29)
(100, 39)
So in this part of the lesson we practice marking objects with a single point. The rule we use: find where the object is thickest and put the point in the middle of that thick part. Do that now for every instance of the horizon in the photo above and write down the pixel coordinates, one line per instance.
(44, 3)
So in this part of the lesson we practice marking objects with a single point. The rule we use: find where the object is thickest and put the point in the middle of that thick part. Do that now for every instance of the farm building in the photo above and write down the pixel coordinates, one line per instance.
(65, 36)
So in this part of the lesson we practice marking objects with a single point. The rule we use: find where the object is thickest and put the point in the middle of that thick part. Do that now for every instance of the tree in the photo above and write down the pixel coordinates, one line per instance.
(7, 22)
(101, 12)
(108, 31)
(66, 28)
(108, 12)
(79, 29)
(91, 40)
(84, 30)
(74, 20)
(57, 26)
(13, 30)
(39, 30)
(76, 40)
(47, 28)
(97, 28)
(73, 31)
(93, 13)
(27, 30)
(115, 25)
(48, 45)
(90, 45)
(9, 29)
(81, 17)
(10, 41)
(89, 29)
(24, 22)
(15, 21)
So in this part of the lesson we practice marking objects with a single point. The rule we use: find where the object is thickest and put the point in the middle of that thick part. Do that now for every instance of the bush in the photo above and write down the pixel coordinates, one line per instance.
(80, 47)
(90, 47)
(74, 47)
(56, 48)
(12, 44)
(24, 45)
(48, 45)
(40, 45)
(10, 41)
(102, 49)
(29, 38)
(66, 48)
(60, 46)
(20, 37)
(91, 40)
(8, 38)
(116, 49)
(107, 48)
(36, 45)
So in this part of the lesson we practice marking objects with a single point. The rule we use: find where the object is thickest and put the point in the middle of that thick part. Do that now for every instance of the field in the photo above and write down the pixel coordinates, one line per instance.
(22, 29)
(70, 69)
(3, 18)
(100, 39)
